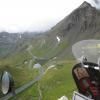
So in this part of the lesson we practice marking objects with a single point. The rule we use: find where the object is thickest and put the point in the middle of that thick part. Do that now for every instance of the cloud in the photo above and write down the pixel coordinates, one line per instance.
(94, 3)
(97, 3)
(35, 15)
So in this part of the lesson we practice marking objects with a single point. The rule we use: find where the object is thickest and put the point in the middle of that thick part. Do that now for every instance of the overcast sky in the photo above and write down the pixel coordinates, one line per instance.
(33, 15)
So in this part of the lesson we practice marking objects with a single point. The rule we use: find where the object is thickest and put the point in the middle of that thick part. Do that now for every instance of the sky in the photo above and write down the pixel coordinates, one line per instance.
(34, 15)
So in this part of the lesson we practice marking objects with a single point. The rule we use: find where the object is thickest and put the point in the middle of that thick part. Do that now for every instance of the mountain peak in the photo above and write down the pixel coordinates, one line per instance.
(84, 19)
(85, 4)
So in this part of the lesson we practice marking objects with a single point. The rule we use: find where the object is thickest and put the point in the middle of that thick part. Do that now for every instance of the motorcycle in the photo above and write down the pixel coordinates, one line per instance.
(86, 72)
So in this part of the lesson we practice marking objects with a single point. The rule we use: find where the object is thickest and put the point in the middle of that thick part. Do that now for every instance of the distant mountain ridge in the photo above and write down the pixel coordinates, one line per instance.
(11, 43)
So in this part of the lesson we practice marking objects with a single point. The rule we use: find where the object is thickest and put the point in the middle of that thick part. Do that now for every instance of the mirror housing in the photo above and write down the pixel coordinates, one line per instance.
(7, 83)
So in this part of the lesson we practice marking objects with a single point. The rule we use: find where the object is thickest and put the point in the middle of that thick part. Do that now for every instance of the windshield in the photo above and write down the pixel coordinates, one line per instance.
(87, 48)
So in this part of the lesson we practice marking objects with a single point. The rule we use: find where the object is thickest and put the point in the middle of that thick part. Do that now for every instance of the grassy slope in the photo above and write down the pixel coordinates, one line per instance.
(54, 84)
(20, 76)
(58, 82)
(19, 70)
(49, 49)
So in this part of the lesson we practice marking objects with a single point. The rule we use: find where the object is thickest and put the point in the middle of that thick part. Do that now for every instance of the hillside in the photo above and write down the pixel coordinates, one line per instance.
(82, 23)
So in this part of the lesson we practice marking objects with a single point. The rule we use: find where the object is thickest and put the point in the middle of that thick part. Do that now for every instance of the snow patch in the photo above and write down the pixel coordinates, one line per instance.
(58, 39)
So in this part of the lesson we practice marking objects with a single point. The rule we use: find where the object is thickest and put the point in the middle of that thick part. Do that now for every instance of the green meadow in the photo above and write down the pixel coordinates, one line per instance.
(19, 70)
(57, 82)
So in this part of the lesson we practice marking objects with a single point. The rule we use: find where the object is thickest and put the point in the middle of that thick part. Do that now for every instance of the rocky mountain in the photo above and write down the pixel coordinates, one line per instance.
(82, 23)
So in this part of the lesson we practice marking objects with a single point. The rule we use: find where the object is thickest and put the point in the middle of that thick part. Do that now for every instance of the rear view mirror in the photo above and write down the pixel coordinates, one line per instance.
(7, 83)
